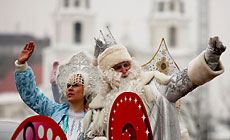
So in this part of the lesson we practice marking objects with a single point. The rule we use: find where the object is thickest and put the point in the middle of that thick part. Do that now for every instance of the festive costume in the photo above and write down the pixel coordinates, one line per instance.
(37, 101)
(159, 102)
(70, 122)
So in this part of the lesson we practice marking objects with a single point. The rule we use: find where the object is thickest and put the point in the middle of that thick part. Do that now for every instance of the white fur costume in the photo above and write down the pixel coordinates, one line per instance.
(159, 103)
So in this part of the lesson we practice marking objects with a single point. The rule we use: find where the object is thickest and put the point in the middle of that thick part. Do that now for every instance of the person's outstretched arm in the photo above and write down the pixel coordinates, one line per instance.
(26, 85)
(53, 82)
(200, 70)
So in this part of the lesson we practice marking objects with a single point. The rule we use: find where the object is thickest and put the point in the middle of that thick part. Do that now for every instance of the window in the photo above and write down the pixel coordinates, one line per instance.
(161, 6)
(172, 36)
(87, 3)
(78, 32)
(66, 3)
(171, 6)
(181, 7)
(77, 3)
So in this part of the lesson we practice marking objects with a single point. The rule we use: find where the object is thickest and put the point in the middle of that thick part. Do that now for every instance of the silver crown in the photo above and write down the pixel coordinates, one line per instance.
(107, 41)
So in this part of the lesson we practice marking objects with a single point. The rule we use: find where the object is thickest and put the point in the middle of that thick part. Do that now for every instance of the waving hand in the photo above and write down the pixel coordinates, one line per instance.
(26, 53)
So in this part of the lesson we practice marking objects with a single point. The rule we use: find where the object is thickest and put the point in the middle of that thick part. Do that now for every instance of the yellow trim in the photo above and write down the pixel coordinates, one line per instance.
(154, 54)
(178, 106)
(163, 41)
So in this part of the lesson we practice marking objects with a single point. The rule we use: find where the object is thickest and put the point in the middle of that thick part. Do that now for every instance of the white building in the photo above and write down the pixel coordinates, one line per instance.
(74, 30)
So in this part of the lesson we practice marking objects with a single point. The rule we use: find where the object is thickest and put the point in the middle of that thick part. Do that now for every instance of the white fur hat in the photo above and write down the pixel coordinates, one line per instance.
(112, 56)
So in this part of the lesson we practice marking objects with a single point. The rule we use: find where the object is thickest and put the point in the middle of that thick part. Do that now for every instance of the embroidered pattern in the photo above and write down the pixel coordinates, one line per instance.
(30, 94)
(162, 61)
(180, 84)
(163, 65)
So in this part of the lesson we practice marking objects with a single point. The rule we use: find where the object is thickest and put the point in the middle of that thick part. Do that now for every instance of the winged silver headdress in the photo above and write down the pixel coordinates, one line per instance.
(80, 63)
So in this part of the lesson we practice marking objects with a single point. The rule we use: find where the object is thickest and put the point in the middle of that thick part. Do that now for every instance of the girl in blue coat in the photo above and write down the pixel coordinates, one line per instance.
(73, 82)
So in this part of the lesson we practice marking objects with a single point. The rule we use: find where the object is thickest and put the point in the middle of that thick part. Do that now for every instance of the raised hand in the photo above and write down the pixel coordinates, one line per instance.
(213, 52)
(54, 73)
(26, 53)
(216, 46)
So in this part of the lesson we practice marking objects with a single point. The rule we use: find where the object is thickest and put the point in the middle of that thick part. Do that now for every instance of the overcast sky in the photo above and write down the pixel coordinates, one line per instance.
(26, 16)
(36, 17)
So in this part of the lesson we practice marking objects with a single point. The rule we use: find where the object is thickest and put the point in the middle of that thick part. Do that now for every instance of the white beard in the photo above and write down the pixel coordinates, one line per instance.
(119, 85)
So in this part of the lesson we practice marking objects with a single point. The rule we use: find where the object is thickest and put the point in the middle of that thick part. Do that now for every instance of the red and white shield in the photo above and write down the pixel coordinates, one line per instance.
(128, 119)
(39, 128)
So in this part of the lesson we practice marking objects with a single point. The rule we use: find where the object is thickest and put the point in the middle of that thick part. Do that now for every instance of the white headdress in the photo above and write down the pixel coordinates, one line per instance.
(79, 64)
(108, 53)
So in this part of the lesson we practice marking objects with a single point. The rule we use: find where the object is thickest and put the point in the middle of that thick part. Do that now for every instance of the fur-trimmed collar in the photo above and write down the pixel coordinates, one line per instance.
(146, 77)
(97, 102)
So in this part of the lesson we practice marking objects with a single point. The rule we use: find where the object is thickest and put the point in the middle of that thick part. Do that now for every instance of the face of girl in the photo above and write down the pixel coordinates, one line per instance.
(74, 92)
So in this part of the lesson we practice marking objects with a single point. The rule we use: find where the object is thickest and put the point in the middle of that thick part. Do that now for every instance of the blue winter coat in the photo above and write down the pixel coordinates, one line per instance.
(35, 99)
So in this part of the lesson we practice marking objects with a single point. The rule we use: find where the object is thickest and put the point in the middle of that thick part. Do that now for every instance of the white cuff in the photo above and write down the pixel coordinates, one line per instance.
(199, 72)
(100, 138)
(20, 67)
